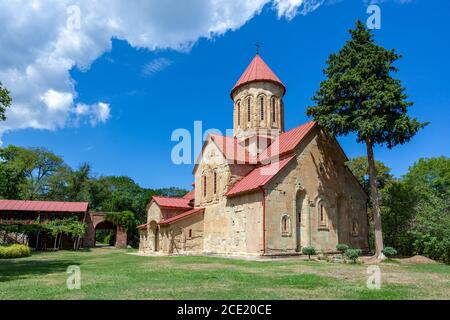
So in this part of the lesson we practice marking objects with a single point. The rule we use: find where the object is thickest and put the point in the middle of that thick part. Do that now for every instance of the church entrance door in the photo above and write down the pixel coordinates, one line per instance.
(299, 230)
(299, 202)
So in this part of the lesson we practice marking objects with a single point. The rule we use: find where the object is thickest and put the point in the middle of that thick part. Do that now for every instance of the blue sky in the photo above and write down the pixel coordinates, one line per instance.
(152, 93)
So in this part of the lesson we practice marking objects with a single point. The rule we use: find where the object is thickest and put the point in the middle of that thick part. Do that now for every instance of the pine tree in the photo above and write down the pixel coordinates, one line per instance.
(360, 96)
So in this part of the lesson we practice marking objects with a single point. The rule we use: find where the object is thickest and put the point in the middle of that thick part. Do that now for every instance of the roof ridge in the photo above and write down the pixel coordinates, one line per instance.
(255, 179)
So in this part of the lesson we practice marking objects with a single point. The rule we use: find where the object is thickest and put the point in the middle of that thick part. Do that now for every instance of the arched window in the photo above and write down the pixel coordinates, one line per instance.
(355, 228)
(204, 185)
(239, 113)
(286, 226)
(273, 110)
(215, 182)
(249, 109)
(261, 107)
(322, 209)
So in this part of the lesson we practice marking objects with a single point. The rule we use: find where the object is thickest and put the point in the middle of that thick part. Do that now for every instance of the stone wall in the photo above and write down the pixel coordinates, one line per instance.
(255, 91)
(316, 181)
(234, 226)
(169, 239)
(184, 236)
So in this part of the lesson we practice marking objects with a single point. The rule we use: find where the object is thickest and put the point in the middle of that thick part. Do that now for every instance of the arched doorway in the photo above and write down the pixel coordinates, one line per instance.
(154, 235)
(105, 234)
(299, 217)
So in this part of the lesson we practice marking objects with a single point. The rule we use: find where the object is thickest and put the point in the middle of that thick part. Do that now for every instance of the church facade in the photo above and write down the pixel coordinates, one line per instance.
(264, 191)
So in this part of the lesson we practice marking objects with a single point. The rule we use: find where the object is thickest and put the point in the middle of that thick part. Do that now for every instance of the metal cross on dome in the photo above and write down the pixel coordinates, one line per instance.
(258, 47)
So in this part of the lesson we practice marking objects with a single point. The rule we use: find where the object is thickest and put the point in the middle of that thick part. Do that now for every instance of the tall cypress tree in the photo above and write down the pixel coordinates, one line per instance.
(360, 96)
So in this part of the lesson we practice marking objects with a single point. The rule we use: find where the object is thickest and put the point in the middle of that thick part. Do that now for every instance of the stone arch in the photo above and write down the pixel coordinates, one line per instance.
(154, 236)
(273, 114)
(95, 220)
(323, 211)
(238, 114)
(106, 225)
(355, 228)
(302, 219)
(286, 225)
(261, 102)
(249, 111)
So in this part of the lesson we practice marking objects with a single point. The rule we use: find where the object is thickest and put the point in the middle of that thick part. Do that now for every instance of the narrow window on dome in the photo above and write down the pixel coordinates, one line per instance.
(274, 120)
(204, 186)
(239, 114)
(261, 102)
(249, 110)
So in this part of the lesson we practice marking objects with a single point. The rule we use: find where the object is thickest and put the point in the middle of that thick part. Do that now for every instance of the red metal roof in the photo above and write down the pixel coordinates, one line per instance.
(258, 70)
(190, 195)
(172, 203)
(232, 150)
(181, 216)
(44, 206)
(259, 177)
(286, 142)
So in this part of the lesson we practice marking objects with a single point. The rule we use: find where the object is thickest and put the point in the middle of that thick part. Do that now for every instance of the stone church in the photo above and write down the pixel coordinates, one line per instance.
(264, 191)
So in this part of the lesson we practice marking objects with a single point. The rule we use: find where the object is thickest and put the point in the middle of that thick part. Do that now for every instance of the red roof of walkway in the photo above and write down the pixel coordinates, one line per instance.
(44, 206)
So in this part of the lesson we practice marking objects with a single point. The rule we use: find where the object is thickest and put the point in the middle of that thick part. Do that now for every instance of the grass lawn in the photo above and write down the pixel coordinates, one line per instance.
(114, 274)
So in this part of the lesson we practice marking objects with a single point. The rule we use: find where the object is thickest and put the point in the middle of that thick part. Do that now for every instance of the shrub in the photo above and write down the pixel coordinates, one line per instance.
(309, 251)
(389, 252)
(14, 251)
(342, 248)
(353, 254)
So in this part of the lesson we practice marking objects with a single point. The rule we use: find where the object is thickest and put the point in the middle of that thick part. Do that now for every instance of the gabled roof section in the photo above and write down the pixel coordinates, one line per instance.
(182, 216)
(258, 70)
(258, 178)
(232, 150)
(190, 195)
(143, 227)
(44, 206)
(286, 142)
(172, 203)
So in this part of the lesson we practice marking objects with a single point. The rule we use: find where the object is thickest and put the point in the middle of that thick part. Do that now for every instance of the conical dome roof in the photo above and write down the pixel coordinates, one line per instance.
(258, 70)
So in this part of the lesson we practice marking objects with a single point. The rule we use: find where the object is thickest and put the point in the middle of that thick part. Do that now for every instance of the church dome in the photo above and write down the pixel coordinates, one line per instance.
(258, 70)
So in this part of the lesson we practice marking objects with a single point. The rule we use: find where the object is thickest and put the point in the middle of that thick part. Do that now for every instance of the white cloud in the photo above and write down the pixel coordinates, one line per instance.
(57, 101)
(94, 114)
(155, 66)
(290, 8)
(42, 40)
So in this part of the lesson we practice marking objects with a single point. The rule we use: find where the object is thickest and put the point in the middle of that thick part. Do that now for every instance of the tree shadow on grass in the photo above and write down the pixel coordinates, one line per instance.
(11, 270)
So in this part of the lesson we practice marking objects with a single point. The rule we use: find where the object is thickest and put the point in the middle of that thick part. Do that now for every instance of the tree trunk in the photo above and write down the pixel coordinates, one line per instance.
(375, 201)
(37, 240)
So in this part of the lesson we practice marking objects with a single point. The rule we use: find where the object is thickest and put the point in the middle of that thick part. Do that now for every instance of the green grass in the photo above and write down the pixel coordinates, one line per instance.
(115, 274)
